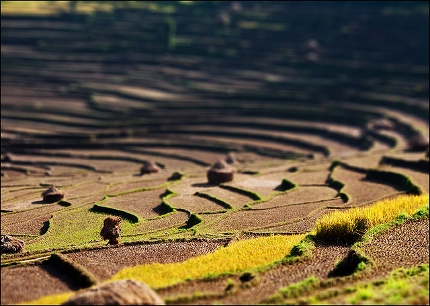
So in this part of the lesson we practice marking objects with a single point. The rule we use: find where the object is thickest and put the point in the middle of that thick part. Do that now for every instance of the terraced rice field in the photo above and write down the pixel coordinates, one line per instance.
(317, 103)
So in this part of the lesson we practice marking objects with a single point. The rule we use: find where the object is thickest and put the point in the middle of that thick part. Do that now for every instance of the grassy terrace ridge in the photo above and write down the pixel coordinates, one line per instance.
(272, 252)
(402, 286)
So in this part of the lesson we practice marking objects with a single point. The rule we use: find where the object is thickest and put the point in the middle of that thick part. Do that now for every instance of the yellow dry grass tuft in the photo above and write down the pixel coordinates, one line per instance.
(237, 257)
(348, 226)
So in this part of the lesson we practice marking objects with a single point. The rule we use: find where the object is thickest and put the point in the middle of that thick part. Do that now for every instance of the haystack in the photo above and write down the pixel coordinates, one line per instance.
(11, 244)
(230, 159)
(418, 142)
(149, 167)
(220, 172)
(53, 194)
(111, 229)
(122, 292)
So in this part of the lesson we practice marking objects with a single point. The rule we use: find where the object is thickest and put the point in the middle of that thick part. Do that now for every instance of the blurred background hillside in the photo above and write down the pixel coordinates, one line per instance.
(84, 70)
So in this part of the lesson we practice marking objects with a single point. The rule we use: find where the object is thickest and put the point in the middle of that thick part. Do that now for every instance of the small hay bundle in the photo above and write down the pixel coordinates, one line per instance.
(122, 292)
(149, 167)
(111, 229)
(53, 194)
(220, 172)
(418, 142)
(11, 244)
(230, 159)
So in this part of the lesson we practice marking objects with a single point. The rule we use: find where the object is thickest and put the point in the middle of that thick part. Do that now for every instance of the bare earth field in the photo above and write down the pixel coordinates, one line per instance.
(317, 105)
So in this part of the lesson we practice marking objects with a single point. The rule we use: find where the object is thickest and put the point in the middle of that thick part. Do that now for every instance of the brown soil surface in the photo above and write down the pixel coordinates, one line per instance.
(360, 190)
(389, 251)
(394, 254)
(44, 279)
(195, 204)
(99, 262)
(87, 98)
(139, 203)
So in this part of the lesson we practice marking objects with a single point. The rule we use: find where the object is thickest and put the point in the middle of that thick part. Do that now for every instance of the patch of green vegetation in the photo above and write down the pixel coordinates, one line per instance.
(302, 250)
(403, 286)
(293, 291)
(287, 185)
(71, 228)
(152, 274)
(422, 212)
(167, 195)
(193, 220)
(356, 261)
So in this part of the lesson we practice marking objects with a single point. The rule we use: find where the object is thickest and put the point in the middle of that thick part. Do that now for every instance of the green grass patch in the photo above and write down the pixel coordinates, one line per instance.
(402, 287)
(260, 254)
(72, 228)
(193, 220)
(164, 201)
(301, 251)
(287, 185)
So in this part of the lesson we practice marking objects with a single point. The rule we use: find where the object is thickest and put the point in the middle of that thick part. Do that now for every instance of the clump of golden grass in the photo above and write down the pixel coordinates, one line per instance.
(348, 226)
(236, 257)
